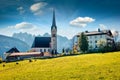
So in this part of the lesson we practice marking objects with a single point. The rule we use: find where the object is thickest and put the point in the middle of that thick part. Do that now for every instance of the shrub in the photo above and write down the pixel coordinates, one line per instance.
(30, 60)
(3, 65)
(17, 63)
(0, 60)
(117, 46)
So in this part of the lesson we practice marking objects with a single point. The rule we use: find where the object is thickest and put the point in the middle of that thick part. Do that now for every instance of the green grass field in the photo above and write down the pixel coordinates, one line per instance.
(80, 67)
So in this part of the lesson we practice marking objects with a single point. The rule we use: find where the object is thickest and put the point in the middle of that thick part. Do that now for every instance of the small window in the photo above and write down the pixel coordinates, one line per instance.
(95, 36)
(90, 41)
(48, 50)
(40, 50)
(90, 37)
(95, 41)
(44, 50)
(95, 46)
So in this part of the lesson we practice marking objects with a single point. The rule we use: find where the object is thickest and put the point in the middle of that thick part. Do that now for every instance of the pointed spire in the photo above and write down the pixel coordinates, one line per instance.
(54, 21)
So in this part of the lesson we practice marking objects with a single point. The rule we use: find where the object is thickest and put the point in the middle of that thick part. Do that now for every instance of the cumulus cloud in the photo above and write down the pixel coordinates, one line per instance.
(24, 25)
(81, 21)
(115, 32)
(102, 26)
(21, 9)
(37, 8)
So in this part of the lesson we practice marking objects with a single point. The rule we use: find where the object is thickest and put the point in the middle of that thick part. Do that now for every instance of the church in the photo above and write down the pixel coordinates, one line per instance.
(42, 46)
(47, 44)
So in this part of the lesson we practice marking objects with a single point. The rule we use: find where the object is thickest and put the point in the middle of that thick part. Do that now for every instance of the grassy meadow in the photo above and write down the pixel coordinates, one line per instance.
(80, 67)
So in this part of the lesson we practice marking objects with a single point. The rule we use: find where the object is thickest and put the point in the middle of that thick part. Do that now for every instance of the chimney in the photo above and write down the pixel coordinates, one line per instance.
(86, 31)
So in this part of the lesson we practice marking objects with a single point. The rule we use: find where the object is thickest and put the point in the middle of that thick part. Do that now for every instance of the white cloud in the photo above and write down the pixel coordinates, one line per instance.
(21, 9)
(38, 13)
(115, 32)
(102, 26)
(24, 25)
(81, 21)
(37, 8)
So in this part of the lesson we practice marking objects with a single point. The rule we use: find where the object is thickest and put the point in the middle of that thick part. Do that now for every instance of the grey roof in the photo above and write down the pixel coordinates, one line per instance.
(12, 50)
(41, 42)
(87, 33)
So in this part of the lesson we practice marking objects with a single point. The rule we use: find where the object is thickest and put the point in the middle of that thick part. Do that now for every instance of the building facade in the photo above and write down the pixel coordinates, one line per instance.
(95, 36)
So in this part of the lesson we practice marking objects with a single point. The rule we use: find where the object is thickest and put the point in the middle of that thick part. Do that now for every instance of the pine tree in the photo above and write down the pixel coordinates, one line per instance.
(83, 42)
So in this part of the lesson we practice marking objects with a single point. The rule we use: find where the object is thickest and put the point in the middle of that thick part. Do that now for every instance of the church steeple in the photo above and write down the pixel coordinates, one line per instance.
(54, 35)
(53, 21)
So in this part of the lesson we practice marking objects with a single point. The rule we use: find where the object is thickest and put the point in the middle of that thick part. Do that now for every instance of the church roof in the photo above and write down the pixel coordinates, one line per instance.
(99, 32)
(12, 50)
(41, 42)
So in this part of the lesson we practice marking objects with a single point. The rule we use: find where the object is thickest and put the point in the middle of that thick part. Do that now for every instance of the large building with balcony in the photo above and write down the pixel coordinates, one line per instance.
(95, 36)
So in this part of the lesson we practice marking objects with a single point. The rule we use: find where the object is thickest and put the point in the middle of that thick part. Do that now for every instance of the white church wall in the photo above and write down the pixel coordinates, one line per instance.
(41, 49)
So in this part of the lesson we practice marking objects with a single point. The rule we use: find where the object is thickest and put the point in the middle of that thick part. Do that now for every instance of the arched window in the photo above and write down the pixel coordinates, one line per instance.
(44, 50)
(48, 50)
(40, 50)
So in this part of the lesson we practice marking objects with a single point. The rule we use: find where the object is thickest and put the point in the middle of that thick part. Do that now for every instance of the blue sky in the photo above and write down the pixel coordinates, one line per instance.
(72, 16)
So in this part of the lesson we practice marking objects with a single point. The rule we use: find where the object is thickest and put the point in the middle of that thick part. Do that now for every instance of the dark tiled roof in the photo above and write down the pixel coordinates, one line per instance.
(97, 33)
(41, 42)
(12, 50)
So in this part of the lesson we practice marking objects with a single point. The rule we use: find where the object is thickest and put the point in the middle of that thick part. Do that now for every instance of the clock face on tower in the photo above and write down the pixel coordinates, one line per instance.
(53, 35)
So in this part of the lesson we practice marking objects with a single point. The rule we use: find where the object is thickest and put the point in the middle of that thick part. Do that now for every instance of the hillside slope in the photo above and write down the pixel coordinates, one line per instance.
(7, 43)
(80, 67)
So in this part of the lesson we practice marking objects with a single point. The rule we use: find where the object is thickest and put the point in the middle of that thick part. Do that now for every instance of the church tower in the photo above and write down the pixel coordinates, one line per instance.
(54, 35)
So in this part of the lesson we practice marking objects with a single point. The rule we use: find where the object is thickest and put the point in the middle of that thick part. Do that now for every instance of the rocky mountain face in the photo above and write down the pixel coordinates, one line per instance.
(62, 42)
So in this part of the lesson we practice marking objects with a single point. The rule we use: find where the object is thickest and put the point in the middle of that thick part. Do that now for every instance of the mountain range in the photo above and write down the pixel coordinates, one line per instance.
(7, 43)
(23, 42)
(62, 42)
